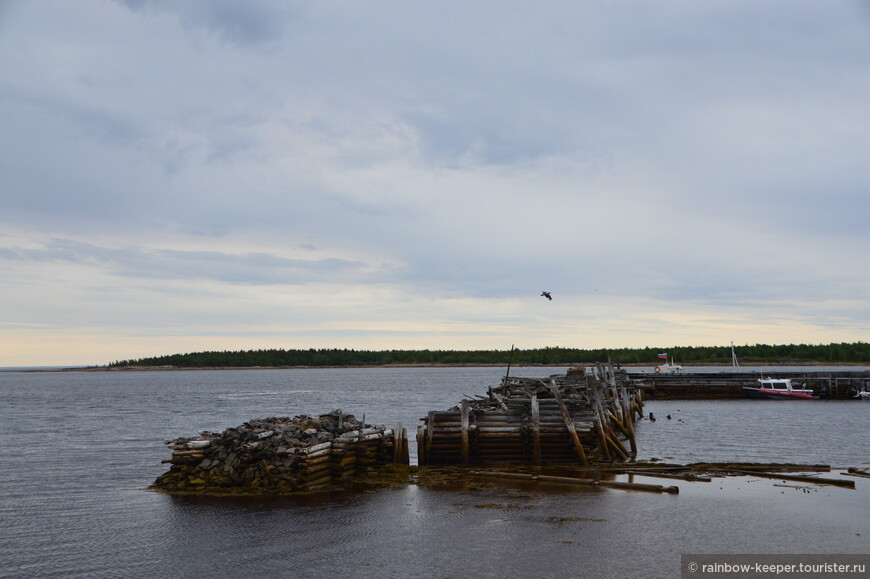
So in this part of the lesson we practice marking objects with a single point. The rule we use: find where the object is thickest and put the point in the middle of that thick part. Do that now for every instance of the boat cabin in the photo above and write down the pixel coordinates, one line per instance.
(781, 384)
(776, 384)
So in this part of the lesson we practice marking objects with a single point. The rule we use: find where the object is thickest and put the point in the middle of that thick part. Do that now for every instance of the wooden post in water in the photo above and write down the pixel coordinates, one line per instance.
(422, 458)
(398, 442)
(463, 407)
(510, 359)
(617, 446)
(536, 430)
(610, 438)
(406, 452)
(629, 418)
(617, 401)
(638, 402)
(430, 427)
(592, 386)
(569, 422)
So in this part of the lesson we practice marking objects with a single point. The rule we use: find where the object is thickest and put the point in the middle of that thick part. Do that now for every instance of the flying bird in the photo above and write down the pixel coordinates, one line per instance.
(547, 295)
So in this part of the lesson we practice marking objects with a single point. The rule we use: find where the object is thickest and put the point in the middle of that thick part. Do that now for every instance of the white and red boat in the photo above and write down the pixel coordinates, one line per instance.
(778, 389)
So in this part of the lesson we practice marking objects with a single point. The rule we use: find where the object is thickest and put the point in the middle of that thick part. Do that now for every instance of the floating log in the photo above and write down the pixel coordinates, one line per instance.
(654, 474)
(753, 466)
(811, 479)
(857, 472)
(580, 481)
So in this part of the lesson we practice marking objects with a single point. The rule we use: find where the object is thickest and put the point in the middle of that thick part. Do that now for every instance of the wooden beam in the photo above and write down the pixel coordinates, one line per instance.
(536, 430)
(569, 423)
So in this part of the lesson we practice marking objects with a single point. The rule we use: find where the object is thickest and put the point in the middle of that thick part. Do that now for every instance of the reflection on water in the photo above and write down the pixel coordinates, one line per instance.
(78, 449)
(799, 431)
(515, 529)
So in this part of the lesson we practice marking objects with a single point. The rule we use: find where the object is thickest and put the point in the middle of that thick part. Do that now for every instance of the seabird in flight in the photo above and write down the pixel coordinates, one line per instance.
(547, 295)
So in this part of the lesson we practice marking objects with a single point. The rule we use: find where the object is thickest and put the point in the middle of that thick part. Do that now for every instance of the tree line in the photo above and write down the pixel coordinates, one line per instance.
(803, 353)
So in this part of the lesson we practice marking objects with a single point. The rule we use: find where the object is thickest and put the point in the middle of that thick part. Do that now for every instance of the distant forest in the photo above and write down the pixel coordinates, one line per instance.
(759, 353)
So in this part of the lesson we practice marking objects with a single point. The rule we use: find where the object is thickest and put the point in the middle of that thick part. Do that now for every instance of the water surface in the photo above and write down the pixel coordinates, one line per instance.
(78, 449)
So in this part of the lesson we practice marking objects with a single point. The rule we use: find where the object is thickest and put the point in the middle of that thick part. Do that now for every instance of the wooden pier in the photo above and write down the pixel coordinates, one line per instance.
(839, 385)
(586, 414)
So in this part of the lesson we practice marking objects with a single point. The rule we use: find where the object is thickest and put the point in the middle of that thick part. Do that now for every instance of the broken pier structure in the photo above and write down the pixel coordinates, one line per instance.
(585, 415)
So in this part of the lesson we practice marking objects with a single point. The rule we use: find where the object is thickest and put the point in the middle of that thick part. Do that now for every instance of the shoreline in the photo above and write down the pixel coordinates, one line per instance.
(421, 365)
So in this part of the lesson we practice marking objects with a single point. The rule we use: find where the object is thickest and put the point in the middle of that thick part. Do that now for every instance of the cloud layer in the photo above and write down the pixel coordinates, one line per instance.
(181, 175)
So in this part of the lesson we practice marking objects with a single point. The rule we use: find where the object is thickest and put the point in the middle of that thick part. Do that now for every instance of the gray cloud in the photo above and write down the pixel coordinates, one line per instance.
(253, 22)
(253, 268)
(709, 153)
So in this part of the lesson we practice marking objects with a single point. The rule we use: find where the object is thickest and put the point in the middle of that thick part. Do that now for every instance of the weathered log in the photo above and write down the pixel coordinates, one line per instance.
(653, 474)
(198, 452)
(314, 448)
(752, 466)
(194, 444)
(327, 457)
(811, 479)
(317, 482)
(857, 472)
(580, 481)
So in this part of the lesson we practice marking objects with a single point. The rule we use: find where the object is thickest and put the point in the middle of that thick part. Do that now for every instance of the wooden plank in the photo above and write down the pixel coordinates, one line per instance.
(569, 423)
(599, 422)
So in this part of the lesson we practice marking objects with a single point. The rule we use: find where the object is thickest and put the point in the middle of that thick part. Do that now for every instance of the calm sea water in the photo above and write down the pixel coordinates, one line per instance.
(78, 449)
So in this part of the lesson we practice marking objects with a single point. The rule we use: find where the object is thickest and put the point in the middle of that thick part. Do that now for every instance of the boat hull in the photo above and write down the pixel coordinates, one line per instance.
(766, 394)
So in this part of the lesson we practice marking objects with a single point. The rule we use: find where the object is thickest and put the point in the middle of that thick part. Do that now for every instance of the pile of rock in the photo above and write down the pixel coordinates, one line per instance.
(281, 455)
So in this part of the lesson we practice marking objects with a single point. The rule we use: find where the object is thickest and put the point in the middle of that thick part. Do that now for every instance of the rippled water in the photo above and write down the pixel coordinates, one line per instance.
(78, 449)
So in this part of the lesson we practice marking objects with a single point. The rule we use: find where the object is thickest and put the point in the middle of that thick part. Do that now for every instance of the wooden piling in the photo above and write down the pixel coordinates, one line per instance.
(628, 419)
(430, 428)
(569, 423)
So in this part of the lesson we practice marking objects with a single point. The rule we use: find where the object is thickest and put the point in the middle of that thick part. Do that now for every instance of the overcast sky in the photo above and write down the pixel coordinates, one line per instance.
(183, 175)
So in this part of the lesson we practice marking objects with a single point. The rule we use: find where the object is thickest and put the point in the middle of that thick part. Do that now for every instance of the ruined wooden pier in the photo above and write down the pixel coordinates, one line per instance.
(587, 414)
(282, 455)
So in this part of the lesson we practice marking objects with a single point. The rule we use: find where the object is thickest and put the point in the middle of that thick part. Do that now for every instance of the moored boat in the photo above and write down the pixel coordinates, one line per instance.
(778, 389)
(668, 367)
